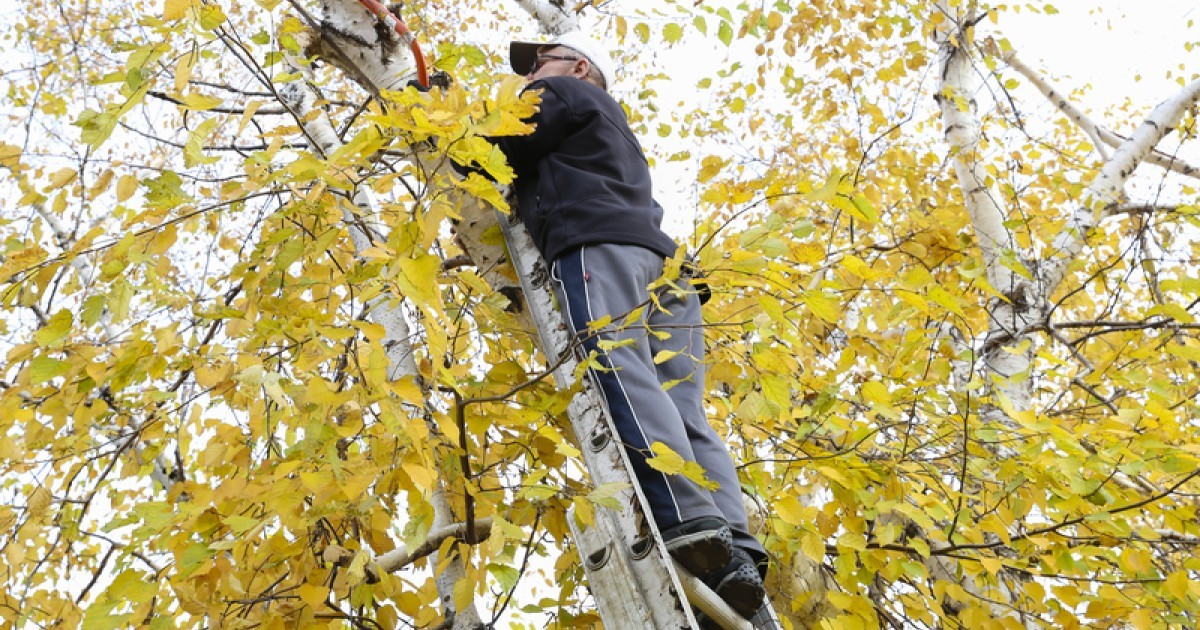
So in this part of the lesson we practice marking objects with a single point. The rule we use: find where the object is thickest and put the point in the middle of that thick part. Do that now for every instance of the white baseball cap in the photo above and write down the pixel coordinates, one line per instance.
(522, 55)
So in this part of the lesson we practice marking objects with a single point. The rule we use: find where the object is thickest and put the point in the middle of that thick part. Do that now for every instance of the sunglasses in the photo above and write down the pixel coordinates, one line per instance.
(542, 60)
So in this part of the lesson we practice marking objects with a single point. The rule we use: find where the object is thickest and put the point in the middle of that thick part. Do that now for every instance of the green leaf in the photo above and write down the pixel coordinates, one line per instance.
(864, 207)
(56, 330)
(166, 191)
(193, 149)
(507, 576)
(672, 33)
(605, 495)
(193, 557)
(93, 308)
(725, 33)
(96, 127)
(43, 368)
(642, 31)
(240, 524)
(100, 617)
(211, 16)
(119, 299)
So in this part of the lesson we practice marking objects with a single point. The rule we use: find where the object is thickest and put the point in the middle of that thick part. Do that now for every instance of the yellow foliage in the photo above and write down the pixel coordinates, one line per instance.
(191, 388)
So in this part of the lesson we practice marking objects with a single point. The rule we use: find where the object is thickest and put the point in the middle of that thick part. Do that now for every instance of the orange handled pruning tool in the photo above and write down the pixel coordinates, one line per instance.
(391, 21)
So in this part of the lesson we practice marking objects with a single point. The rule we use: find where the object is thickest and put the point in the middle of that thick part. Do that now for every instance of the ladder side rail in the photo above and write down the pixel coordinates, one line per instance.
(640, 548)
(629, 570)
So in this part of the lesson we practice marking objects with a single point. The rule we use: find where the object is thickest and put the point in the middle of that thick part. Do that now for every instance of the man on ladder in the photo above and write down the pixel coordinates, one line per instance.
(584, 193)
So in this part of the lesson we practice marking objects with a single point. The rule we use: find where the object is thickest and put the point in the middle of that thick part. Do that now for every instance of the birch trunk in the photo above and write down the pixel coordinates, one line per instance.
(1008, 348)
(385, 310)
(1006, 360)
(1028, 285)
(161, 471)
(348, 39)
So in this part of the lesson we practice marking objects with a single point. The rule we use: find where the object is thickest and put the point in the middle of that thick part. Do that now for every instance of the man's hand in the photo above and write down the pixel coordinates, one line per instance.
(440, 79)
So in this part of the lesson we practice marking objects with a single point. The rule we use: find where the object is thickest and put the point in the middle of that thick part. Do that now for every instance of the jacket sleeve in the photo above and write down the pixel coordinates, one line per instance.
(551, 124)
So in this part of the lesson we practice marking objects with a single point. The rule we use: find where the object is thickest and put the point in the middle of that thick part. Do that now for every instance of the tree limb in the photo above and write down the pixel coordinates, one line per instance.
(1106, 190)
(1100, 136)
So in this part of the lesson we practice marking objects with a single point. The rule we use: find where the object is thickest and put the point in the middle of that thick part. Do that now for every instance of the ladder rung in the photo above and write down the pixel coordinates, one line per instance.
(629, 572)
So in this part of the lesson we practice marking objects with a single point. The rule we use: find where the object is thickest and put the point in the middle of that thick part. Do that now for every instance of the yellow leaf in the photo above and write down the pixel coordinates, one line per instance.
(665, 459)
(176, 9)
(126, 186)
(39, 500)
(418, 280)
(314, 595)
(709, 167)
(813, 546)
(183, 71)
(952, 303)
(858, 267)
(1178, 585)
(10, 156)
(584, 512)
(478, 186)
(62, 177)
(102, 183)
(790, 510)
(876, 393)
(248, 114)
(314, 482)
(823, 306)
(356, 485)
(419, 475)
(852, 540)
(1142, 619)
(201, 102)
(695, 472)
(463, 594)
(842, 601)
(834, 475)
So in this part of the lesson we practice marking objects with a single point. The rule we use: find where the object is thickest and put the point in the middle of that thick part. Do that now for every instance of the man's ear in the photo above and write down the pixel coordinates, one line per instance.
(581, 68)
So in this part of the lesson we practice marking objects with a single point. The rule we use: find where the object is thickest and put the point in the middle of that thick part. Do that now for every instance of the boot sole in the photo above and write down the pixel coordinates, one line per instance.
(704, 551)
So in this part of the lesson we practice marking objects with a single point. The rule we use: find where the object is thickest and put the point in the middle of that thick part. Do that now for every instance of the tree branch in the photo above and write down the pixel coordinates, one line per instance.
(1106, 190)
(1100, 136)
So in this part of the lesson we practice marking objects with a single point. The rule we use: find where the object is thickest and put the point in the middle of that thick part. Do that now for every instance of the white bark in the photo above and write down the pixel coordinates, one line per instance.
(454, 572)
(1005, 368)
(997, 246)
(85, 270)
(553, 18)
(1108, 189)
(1100, 136)
(351, 37)
(385, 310)
(960, 119)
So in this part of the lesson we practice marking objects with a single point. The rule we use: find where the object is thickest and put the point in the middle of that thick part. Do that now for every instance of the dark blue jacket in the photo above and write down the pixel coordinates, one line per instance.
(581, 175)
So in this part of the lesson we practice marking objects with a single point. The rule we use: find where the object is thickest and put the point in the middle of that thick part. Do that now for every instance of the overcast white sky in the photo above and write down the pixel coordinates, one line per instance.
(1121, 48)
(1109, 43)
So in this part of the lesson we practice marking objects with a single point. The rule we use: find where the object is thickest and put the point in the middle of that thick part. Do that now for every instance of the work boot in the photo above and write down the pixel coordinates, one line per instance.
(739, 583)
(701, 544)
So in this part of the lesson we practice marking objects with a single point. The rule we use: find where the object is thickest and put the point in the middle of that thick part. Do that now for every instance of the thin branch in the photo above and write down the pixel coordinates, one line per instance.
(393, 561)
(1081, 120)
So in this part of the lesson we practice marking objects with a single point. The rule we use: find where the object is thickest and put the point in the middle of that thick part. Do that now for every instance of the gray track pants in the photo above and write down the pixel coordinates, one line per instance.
(607, 279)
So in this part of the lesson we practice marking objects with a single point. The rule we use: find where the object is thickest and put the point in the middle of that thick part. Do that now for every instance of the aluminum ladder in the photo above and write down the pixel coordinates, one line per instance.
(635, 583)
